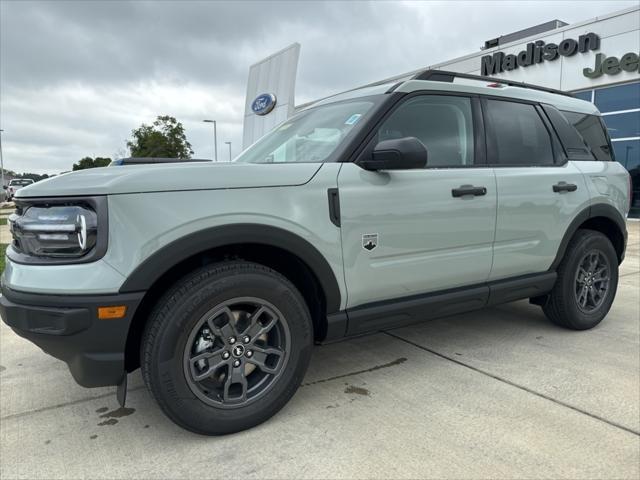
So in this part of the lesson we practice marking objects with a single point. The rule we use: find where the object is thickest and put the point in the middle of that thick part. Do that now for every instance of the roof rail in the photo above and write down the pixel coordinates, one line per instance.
(446, 76)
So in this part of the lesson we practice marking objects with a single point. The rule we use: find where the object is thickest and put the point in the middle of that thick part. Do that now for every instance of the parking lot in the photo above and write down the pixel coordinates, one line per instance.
(499, 393)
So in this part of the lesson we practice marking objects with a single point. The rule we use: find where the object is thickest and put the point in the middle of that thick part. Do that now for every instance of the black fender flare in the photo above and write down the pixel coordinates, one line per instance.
(160, 262)
(593, 211)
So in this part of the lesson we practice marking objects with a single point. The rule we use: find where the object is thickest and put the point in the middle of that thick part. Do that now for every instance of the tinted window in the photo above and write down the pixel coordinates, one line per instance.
(518, 134)
(442, 123)
(20, 183)
(592, 132)
(622, 97)
(623, 125)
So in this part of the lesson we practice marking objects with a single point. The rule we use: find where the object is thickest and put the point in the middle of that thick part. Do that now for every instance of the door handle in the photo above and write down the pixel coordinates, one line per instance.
(564, 187)
(468, 190)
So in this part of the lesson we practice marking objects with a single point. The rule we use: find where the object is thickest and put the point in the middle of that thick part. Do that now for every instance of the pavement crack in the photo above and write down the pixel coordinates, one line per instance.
(89, 399)
(372, 369)
(60, 405)
(513, 384)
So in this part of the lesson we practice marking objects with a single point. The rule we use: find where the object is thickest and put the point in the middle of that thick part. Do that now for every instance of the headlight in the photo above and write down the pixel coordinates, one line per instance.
(58, 230)
(55, 231)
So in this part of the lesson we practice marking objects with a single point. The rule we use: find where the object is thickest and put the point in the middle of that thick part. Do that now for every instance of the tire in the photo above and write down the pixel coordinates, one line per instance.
(564, 305)
(197, 318)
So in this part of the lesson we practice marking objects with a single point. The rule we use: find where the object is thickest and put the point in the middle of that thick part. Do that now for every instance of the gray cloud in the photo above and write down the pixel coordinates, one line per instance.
(76, 77)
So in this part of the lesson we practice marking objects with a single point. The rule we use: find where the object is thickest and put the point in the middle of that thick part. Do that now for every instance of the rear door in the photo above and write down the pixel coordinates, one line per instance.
(408, 232)
(539, 192)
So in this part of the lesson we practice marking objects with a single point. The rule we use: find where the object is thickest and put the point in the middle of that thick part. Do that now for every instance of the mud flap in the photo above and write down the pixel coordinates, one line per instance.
(121, 392)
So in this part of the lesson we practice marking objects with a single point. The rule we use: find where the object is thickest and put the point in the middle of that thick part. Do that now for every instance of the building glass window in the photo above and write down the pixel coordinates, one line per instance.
(620, 97)
(620, 107)
(628, 153)
(623, 125)
(584, 95)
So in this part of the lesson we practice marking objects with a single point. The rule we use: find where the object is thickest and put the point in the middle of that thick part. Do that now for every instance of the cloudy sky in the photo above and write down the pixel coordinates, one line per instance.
(76, 77)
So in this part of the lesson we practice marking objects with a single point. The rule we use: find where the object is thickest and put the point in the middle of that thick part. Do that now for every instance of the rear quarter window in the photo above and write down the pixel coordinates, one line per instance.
(20, 183)
(517, 134)
(593, 133)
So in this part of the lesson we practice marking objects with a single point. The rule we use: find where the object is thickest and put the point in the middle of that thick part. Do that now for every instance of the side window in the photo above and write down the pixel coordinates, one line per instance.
(444, 124)
(592, 131)
(518, 134)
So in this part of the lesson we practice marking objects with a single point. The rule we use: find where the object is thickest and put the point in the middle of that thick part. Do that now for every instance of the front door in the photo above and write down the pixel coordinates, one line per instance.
(410, 232)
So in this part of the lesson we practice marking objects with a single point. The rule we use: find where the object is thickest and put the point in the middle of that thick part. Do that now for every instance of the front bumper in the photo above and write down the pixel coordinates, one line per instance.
(68, 328)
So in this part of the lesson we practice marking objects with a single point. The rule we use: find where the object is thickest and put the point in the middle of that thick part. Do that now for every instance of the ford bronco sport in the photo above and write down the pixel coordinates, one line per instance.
(368, 210)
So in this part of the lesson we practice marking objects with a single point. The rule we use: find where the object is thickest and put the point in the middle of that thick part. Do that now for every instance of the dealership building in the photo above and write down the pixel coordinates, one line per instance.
(597, 60)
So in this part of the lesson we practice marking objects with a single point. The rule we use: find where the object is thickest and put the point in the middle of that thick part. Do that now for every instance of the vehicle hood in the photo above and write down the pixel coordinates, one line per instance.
(171, 177)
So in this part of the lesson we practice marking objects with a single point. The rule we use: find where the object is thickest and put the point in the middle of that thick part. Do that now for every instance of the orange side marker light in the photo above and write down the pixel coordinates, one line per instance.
(110, 313)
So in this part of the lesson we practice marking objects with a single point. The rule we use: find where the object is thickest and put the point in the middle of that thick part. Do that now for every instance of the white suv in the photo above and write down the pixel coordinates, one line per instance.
(16, 184)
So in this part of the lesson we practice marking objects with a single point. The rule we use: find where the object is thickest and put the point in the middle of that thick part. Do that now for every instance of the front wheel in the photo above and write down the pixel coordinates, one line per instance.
(227, 347)
(587, 282)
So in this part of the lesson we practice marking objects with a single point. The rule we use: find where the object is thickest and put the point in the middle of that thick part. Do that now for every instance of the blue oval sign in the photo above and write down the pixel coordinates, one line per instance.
(263, 104)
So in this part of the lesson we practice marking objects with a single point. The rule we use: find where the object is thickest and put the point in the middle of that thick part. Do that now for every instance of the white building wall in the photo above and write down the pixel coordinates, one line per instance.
(619, 33)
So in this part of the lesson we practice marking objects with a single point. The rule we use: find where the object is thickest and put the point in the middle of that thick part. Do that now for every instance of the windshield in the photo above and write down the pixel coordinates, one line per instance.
(310, 137)
(20, 183)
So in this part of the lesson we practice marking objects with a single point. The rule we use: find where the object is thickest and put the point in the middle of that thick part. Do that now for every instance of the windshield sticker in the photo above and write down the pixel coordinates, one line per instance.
(353, 119)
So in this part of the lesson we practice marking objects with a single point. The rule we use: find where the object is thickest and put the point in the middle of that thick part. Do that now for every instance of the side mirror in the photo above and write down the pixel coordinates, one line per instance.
(5, 187)
(397, 154)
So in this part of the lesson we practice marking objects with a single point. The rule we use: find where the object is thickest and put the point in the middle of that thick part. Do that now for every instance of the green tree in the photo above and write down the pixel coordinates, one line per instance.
(165, 138)
(88, 162)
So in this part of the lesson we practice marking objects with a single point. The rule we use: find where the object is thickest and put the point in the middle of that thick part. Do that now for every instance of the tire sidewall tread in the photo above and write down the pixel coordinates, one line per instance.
(177, 312)
(561, 306)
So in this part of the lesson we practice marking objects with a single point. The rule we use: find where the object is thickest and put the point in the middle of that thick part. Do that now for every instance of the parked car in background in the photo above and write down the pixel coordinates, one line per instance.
(15, 185)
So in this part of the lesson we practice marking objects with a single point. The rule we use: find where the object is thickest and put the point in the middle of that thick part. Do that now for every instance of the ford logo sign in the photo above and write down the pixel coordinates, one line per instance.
(263, 104)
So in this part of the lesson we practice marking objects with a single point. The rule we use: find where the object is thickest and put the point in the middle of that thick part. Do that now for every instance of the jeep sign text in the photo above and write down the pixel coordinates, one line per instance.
(629, 62)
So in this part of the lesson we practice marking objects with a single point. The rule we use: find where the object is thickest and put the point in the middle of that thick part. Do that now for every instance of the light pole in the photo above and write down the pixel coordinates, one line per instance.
(229, 143)
(2, 164)
(215, 139)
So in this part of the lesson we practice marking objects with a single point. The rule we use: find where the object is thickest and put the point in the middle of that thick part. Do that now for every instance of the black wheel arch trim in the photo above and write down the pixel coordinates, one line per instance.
(152, 268)
(593, 211)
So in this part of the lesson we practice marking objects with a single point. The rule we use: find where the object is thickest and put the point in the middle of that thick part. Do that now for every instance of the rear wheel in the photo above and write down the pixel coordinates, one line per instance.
(586, 284)
(227, 347)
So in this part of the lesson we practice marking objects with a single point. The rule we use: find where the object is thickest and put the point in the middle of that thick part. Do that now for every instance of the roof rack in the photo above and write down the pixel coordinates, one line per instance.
(446, 76)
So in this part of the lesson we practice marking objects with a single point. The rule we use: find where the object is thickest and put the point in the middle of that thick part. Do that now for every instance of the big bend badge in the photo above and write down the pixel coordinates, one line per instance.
(369, 241)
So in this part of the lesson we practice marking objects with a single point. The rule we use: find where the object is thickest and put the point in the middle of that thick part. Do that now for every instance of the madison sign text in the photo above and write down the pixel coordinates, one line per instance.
(538, 52)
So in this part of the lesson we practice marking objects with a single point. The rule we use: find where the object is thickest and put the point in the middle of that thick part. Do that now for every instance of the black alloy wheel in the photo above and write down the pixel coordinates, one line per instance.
(586, 283)
(236, 352)
(592, 280)
(226, 347)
